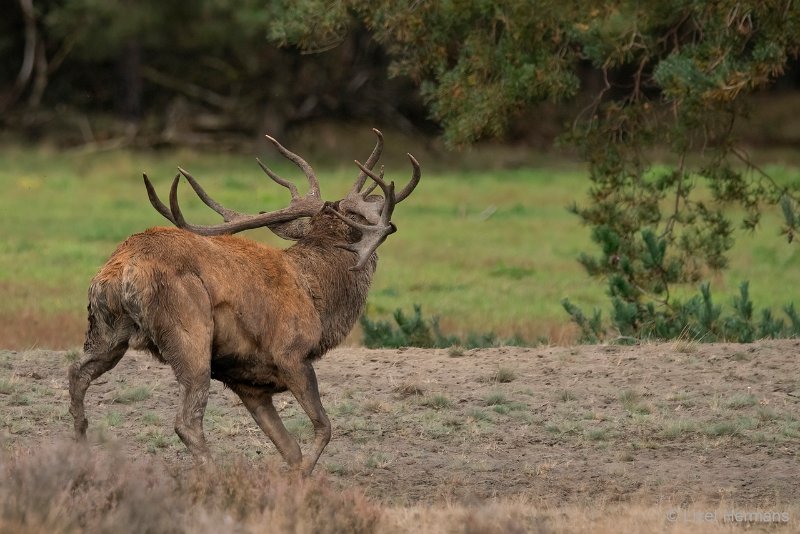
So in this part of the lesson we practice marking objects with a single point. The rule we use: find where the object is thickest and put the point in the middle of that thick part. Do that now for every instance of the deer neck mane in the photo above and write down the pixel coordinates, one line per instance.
(339, 294)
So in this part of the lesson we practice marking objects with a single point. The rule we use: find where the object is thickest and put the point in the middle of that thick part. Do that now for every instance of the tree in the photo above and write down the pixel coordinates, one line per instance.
(674, 74)
(182, 71)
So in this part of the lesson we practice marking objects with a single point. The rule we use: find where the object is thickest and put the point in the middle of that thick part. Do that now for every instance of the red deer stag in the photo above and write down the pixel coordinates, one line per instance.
(212, 305)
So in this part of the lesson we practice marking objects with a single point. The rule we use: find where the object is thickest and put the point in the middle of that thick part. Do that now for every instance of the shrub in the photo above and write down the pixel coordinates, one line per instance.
(698, 319)
(416, 331)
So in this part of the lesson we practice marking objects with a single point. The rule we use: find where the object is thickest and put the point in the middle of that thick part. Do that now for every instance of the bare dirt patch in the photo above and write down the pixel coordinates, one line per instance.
(658, 423)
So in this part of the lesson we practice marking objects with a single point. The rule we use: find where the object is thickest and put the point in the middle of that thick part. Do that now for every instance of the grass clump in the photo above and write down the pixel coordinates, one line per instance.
(6, 386)
(507, 407)
(300, 427)
(378, 460)
(437, 402)
(722, 428)
(131, 395)
(741, 400)
(631, 401)
(408, 389)
(495, 399)
(597, 434)
(456, 351)
(504, 375)
(113, 419)
(676, 429)
(19, 399)
(151, 418)
(566, 395)
(479, 415)
(345, 408)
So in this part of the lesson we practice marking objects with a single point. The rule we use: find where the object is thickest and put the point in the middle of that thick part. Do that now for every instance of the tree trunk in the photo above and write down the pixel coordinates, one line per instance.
(130, 93)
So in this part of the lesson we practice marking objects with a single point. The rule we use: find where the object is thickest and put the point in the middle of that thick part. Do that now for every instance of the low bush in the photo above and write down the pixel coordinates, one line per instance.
(697, 319)
(416, 331)
(70, 488)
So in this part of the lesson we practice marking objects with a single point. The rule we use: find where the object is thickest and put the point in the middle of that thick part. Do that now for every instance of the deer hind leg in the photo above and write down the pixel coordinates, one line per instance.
(189, 419)
(189, 355)
(81, 374)
(178, 321)
(302, 382)
(259, 403)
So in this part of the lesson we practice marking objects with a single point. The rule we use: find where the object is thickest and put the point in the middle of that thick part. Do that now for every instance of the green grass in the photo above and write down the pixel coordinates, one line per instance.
(131, 395)
(493, 399)
(504, 375)
(113, 418)
(632, 402)
(566, 395)
(6, 386)
(675, 428)
(437, 402)
(64, 213)
(722, 428)
(741, 400)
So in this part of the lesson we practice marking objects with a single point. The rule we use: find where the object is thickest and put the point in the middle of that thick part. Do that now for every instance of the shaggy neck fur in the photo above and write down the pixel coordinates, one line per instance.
(339, 294)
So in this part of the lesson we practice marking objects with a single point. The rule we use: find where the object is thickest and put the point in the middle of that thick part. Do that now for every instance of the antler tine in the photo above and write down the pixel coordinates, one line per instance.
(155, 201)
(300, 162)
(370, 163)
(277, 179)
(227, 214)
(177, 214)
(415, 176)
(372, 187)
(372, 236)
(388, 193)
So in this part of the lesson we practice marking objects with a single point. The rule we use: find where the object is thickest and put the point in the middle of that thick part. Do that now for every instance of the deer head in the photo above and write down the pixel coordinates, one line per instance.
(368, 213)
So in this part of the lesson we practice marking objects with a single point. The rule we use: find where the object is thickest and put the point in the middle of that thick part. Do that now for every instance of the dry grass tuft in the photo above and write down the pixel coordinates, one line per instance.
(71, 488)
(408, 389)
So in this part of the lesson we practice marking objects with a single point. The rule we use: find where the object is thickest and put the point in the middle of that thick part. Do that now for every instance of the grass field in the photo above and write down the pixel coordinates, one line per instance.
(485, 250)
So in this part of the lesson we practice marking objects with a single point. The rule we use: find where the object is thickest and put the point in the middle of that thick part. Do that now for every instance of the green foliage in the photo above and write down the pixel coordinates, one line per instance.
(591, 328)
(791, 215)
(657, 228)
(478, 62)
(416, 331)
(697, 319)
(672, 75)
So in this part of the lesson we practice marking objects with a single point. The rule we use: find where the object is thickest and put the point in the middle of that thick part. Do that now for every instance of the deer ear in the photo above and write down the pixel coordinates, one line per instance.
(291, 230)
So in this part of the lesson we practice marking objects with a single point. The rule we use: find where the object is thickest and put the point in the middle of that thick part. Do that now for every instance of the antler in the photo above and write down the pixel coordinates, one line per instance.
(372, 235)
(235, 221)
(370, 163)
(361, 202)
(376, 211)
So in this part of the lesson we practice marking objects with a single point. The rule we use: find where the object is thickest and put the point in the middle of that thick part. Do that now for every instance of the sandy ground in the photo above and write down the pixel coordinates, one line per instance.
(655, 423)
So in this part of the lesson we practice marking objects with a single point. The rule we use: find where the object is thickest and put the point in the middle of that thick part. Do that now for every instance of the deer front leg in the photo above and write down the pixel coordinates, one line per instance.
(259, 403)
(302, 382)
